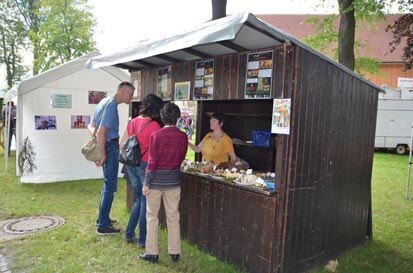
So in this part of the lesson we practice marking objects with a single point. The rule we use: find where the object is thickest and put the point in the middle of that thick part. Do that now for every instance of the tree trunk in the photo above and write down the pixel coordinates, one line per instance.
(346, 34)
(219, 9)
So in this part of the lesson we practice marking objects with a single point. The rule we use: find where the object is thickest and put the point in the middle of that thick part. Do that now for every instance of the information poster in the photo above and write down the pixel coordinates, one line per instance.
(165, 83)
(259, 74)
(281, 114)
(204, 80)
(61, 101)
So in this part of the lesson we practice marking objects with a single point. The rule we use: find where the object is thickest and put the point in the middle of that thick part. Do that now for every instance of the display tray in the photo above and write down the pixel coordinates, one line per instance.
(231, 183)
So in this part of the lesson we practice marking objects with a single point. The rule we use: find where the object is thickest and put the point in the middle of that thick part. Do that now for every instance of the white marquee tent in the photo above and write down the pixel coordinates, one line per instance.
(58, 156)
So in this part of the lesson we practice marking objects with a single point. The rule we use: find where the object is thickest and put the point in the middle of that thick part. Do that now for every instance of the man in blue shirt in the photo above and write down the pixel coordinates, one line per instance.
(106, 118)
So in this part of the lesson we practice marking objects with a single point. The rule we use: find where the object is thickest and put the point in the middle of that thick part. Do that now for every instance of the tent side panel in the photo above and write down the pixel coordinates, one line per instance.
(58, 156)
(329, 195)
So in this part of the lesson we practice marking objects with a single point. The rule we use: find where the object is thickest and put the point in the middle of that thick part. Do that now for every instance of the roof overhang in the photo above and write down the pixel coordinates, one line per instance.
(232, 34)
(236, 33)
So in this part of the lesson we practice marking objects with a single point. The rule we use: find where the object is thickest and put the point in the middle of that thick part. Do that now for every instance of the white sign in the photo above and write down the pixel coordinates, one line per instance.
(404, 82)
(281, 116)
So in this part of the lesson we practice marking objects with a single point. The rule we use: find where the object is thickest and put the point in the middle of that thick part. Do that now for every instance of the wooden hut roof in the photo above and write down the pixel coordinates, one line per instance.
(236, 33)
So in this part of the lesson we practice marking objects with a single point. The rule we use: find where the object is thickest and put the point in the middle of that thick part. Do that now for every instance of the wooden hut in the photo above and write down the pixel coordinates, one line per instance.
(322, 203)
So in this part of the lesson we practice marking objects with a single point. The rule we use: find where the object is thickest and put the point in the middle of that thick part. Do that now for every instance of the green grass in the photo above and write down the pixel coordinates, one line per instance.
(75, 247)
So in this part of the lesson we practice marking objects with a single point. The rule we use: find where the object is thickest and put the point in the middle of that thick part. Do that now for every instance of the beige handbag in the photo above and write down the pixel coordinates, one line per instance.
(90, 149)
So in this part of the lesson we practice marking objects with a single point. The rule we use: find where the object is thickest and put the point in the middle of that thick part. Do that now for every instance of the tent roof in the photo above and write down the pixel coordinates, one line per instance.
(64, 70)
(241, 32)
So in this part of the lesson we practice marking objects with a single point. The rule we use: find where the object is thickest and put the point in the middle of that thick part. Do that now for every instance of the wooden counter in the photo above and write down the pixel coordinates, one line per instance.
(232, 222)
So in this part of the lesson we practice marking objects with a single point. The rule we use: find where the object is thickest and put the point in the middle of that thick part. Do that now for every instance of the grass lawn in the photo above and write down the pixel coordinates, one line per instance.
(75, 247)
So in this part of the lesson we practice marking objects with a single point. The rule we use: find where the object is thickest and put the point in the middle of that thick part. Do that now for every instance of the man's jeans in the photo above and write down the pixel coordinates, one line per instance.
(110, 182)
(138, 211)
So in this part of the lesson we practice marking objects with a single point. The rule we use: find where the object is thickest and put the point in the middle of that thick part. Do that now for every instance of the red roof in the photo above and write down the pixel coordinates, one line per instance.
(374, 36)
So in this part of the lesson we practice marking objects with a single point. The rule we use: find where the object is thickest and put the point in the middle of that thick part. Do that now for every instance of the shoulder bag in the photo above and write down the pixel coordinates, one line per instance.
(90, 149)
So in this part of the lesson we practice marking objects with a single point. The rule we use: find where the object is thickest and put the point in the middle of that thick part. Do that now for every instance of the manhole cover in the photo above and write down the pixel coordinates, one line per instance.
(32, 224)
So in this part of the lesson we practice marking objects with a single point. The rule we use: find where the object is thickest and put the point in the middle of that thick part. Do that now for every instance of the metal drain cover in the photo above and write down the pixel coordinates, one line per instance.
(32, 224)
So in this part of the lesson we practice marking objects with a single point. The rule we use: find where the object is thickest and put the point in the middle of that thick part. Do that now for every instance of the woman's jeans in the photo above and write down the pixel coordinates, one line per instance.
(138, 211)
(110, 182)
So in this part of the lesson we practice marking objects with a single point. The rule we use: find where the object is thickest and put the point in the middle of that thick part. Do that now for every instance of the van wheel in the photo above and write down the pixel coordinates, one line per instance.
(401, 149)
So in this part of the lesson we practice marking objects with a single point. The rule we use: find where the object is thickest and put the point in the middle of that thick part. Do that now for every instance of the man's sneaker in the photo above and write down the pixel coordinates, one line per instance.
(111, 221)
(109, 230)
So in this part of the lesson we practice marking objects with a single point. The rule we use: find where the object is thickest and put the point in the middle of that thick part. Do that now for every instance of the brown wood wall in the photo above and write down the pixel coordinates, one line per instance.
(232, 224)
(330, 163)
(388, 74)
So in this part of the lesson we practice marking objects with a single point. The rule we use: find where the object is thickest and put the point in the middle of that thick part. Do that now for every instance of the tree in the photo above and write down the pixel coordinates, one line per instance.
(65, 34)
(59, 30)
(12, 41)
(219, 9)
(350, 13)
(402, 29)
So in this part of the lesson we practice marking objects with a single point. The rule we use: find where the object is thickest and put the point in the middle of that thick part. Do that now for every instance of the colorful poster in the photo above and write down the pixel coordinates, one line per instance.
(182, 90)
(61, 101)
(259, 73)
(45, 122)
(164, 89)
(79, 122)
(204, 80)
(96, 96)
(281, 114)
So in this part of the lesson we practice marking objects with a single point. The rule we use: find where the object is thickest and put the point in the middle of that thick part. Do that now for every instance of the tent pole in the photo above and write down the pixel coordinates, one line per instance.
(409, 166)
(7, 134)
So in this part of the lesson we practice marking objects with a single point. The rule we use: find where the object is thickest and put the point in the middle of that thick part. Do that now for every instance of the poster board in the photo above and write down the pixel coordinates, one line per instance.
(204, 80)
(164, 86)
(258, 82)
(281, 116)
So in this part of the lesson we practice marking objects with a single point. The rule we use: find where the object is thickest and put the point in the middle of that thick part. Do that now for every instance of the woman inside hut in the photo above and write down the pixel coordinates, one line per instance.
(142, 126)
(216, 146)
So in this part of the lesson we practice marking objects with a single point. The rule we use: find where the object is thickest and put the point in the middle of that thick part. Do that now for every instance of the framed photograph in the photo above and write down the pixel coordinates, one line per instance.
(79, 122)
(182, 90)
(45, 122)
(96, 96)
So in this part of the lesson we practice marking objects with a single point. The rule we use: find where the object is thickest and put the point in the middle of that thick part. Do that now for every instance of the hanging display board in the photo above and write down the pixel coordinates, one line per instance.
(204, 80)
(165, 83)
(61, 101)
(281, 114)
(79, 121)
(94, 97)
(45, 122)
(259, 75)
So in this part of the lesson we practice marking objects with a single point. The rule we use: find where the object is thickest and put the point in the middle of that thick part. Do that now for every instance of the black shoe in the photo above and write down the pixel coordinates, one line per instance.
(111, 222)
(174, 257)
(149, 258)
(109, 230)
(130, 240)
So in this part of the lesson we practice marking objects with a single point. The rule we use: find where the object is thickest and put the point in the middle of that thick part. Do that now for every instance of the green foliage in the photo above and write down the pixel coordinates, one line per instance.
(66, 33)
(12, 41)
(59, 30)
(325, 40)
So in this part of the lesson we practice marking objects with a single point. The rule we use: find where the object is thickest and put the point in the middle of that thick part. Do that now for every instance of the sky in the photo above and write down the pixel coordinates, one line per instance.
(123, 23)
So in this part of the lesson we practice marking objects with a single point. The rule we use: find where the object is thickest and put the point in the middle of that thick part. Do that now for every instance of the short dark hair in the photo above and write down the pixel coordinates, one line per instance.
(170, 113)
(126, 84)
(151, 105)
(218, 116)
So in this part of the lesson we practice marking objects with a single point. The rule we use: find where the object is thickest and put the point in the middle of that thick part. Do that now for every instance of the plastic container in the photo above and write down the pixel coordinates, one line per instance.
(270, 185)
(261, 138)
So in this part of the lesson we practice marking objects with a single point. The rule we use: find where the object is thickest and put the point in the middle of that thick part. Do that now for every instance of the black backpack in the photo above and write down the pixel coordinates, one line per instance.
(130, 152)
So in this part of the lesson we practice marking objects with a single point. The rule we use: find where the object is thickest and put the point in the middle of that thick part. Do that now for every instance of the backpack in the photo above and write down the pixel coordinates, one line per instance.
(130, 152)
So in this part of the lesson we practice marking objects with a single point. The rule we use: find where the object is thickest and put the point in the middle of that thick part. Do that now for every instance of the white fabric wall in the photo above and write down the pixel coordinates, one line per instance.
(58, 156)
